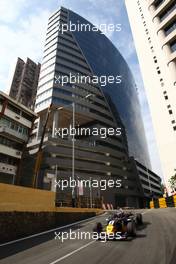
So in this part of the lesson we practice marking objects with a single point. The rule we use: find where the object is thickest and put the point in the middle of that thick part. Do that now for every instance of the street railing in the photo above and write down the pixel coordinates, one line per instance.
(82, 201)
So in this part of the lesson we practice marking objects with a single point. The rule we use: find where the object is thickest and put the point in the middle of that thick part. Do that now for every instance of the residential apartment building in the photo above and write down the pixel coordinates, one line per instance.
(25, 81)
(153, 24)
(15, 125)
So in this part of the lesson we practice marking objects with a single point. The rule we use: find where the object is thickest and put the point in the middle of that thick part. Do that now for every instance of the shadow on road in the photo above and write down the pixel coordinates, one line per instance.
(143, 226)
(9, 250)
(140, 228)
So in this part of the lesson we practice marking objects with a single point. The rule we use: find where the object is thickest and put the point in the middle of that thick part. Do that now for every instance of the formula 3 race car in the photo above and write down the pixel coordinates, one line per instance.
(119, 226)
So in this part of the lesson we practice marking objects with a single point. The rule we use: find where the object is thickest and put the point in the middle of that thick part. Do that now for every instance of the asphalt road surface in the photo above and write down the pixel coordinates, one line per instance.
(155, 244)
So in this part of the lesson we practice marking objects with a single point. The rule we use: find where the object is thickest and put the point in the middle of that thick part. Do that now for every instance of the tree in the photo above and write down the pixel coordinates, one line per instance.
(172, 182)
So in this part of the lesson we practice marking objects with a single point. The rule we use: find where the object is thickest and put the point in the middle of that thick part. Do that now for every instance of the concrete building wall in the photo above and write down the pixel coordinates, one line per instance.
(149, 22)
(15, 124)
(25, 81)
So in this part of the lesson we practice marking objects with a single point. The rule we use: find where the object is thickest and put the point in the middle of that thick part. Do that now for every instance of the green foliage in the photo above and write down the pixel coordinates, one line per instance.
(172, 182)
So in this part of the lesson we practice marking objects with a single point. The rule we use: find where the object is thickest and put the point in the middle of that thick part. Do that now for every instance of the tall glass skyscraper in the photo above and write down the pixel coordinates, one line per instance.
(98, 105)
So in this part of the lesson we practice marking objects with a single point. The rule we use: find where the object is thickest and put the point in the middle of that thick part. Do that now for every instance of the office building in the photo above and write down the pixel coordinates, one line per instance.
(153, 24)
(25, 81)
(150, 182)
(97, 105)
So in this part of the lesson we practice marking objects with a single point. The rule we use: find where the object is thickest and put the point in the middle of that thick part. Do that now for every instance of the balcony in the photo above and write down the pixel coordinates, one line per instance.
(169, 29)
(156, 3)
(7, 168)
(164, 11)
(20, 119)
(173, 46)
(168, 11)
(12, 133)
(172, 57)
(10, 151)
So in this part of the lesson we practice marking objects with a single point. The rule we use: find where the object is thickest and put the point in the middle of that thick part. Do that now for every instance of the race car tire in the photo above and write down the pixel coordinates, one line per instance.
(131, 228)
(98, 228)
(139, 220)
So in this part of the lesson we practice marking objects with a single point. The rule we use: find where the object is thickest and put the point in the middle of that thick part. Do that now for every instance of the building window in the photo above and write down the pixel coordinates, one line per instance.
(173, 45)
(170, 112)
(13, 109)
(10, 143)
(171, 7)
(166, 97)
(169, 106)
(27, 116)
(174, 128)
(173, 122)
(157, 3)
(170, 28)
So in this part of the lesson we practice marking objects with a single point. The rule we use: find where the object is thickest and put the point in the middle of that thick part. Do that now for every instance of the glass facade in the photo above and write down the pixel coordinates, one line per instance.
(105, 60)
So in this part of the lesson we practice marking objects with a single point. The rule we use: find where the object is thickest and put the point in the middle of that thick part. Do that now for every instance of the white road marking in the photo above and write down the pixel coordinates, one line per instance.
(72, 252)
(55, 229)
(77, 250)
(49, 231)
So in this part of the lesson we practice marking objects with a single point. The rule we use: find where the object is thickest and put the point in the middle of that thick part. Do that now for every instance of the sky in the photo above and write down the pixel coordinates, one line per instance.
(23, 26)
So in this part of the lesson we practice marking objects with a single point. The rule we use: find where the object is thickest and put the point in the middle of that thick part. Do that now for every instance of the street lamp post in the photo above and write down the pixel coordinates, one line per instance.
(73, 145)
(73, 156)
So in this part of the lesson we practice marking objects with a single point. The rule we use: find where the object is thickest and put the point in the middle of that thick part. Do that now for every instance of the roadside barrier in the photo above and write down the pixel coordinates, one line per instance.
(151, 204)
(103, 206)
(175, 200)
(107, 206)
(111, 206)
(163, 202)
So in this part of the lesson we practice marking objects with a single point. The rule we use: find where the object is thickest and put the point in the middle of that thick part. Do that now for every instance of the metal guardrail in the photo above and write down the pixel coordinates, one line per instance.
(65, 200)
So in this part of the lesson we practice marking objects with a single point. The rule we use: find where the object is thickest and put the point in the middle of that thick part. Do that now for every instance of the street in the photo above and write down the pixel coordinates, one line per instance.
(155, 244)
